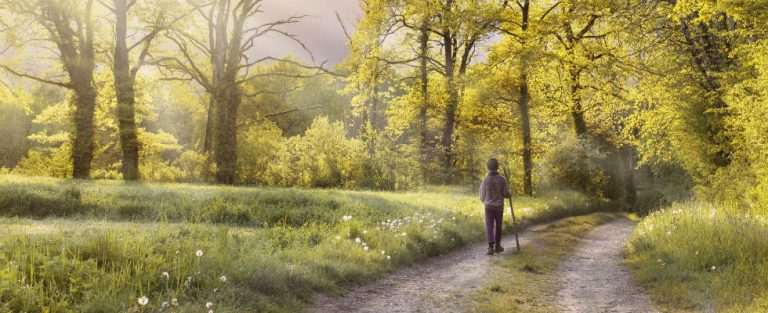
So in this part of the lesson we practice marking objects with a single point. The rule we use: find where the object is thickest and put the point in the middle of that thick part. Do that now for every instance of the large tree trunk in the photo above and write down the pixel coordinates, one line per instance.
(526, 133)
(124, 89)
(85, 105)
(577, 111)
(451, 107)
(424, 75)
(225, 135)
(523, 106)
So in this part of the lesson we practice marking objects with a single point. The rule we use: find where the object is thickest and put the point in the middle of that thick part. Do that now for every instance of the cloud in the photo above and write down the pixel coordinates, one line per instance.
(319, 30)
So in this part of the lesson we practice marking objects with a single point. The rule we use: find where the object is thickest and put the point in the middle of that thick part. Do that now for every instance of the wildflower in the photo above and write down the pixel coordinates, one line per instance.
(658, 260)
(208, 305)
(210, 311)
(199, 253)
(164, 305)
(165, 275)
(669, 233)
(357, 240)
(347, 218)
(388, 257)
(143, 300)
(178, 252)
(697, 252)
(365, 232)
(174, 302)
(338, 237)
(223, 279)
(382, 252)
(405, 234)
(453, 218)
(713, 267)
(365, 248)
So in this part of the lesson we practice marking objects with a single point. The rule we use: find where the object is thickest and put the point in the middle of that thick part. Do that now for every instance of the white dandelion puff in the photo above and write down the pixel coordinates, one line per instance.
(165, 275)
(223, 279)
(208, 305)
(174, 302)
(199, 253)
(365, 248)
(143, 300)
(389, 257)
(357, 240)
(405, 234)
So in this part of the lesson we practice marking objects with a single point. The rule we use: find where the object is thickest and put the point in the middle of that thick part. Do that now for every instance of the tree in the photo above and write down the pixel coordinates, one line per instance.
(68, 24)
(521, 49)
(219, 63)
(125, 80)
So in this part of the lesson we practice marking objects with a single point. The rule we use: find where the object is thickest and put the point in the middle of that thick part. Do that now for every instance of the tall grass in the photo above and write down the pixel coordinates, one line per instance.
(697, 256)
(101, 246)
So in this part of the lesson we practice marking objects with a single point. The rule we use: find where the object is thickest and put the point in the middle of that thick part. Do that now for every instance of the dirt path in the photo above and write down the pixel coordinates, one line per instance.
(438, 284)
(593, 278)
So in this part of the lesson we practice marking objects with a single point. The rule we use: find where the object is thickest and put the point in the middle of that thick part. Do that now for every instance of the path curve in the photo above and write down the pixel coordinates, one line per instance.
(594, 279)
(439, 284)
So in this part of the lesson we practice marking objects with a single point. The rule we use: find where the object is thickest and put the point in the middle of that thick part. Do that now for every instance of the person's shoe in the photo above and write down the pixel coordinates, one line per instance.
(490, 251)
(498, 249)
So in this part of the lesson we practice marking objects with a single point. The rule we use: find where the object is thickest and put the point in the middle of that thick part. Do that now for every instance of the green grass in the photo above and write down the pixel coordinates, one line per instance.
(526, 281)
(98, 246)
(701, 257)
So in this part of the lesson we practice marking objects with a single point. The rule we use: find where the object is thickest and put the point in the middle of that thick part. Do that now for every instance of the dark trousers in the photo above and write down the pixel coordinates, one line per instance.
(493, 217)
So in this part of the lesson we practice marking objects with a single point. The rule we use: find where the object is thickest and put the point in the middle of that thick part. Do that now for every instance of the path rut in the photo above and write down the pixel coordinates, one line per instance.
(594, 279)
(439, 284)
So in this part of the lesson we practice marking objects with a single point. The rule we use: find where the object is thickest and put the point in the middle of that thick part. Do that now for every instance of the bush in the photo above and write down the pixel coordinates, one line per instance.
(574, 163)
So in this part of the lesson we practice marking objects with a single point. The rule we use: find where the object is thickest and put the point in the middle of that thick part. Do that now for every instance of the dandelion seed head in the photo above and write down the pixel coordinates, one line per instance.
(199, 253)
(357, 240)
(208, 305)
(165, 275)
(223, 279)
(174, 302)
(365, 248)
(143, 300)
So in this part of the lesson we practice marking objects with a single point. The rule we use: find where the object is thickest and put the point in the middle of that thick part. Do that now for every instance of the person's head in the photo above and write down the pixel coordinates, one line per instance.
(492, 165)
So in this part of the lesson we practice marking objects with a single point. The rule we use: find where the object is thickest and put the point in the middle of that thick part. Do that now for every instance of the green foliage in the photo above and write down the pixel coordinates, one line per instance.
(575, 163)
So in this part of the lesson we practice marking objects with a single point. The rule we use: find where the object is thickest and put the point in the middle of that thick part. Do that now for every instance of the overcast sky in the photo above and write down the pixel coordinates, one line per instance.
(320, 31)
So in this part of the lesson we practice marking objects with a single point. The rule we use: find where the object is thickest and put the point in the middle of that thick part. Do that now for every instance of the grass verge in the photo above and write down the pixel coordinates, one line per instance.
(701, 257)
(102, 246)
(525, 282)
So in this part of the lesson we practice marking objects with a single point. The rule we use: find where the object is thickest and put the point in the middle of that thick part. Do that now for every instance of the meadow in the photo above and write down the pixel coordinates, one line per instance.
(698, 256)
(107, 246)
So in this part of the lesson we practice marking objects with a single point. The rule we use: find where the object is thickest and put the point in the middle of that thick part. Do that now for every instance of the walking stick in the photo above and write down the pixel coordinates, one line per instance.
(512, 209)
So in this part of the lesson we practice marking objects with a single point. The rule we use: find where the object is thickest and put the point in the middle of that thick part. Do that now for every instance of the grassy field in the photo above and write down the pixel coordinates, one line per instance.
(701, 257)
(525, 282)
(105, 246)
